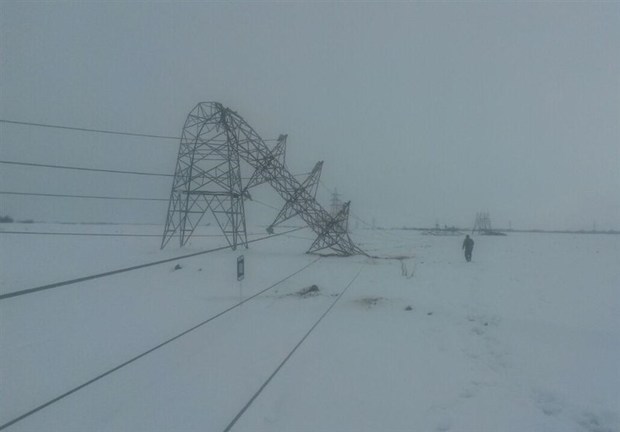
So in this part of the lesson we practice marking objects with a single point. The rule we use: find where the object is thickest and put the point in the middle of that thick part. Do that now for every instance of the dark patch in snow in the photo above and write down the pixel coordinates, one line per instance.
(409, 308)
(484, 320)
(310, 291)
(178, 267)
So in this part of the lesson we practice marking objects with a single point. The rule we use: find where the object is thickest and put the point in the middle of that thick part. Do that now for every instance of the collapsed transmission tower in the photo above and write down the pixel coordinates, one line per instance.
(214, 142)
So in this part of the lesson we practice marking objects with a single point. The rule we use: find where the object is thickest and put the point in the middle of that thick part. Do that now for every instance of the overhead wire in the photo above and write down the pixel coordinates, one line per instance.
(73, 281)
(290, 354)
(101, 131)
(111, 197)
(299, 237)
(106, 234)
(83, 196)
(114, 171)
(126, 269)
(264, 204)
(133, 359)
(67, 167)
(81, 129)
(105, 170)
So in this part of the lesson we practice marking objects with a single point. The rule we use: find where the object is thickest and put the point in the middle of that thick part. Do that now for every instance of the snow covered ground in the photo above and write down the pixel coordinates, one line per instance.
(526, 337)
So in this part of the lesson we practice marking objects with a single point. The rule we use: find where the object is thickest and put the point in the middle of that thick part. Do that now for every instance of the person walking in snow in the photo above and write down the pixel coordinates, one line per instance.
(468, 245)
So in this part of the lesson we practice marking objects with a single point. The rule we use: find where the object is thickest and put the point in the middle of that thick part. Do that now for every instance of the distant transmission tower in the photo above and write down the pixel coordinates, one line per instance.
(482, 225)
(335, 203)
(214, 142)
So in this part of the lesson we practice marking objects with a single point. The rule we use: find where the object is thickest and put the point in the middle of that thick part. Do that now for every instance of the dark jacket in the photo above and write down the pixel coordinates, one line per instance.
(468, 243)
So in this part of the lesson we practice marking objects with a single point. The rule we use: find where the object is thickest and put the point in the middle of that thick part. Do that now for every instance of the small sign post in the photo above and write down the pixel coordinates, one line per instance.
(240, 274)
(240, 267)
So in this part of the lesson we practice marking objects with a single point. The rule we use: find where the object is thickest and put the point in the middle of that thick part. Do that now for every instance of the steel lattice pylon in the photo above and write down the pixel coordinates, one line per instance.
(208, 177)
(482, 223)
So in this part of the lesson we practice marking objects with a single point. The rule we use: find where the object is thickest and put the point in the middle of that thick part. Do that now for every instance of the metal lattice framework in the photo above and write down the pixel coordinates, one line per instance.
(208, 177)
(482, 223)
(310, 184)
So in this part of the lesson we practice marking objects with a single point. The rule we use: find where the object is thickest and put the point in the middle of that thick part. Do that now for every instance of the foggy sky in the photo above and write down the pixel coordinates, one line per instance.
(422, 112)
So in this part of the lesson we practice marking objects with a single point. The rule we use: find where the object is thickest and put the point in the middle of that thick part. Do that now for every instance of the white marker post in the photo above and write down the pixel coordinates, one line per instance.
(240, 274)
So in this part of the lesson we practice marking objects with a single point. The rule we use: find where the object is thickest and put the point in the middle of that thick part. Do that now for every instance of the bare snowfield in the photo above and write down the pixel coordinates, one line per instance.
(526, 337)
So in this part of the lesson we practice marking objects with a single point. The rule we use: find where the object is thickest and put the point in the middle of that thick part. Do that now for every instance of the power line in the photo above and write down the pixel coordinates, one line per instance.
(102, 131)
(264, 204)
(115, 171)
(75, 389)
(105, 234)
(83, 196)
(89, 234)
(89, 130)
(356, 217)
(110, 197)
(66, 167)
(300, 237)
(290, 354)
(123, 270)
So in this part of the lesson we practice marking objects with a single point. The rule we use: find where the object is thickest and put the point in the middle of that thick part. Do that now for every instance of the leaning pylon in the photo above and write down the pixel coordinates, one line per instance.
(208, 177)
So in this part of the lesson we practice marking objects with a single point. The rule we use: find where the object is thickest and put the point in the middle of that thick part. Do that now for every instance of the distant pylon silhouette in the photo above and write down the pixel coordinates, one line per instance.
(482, 223)
(335, 204)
